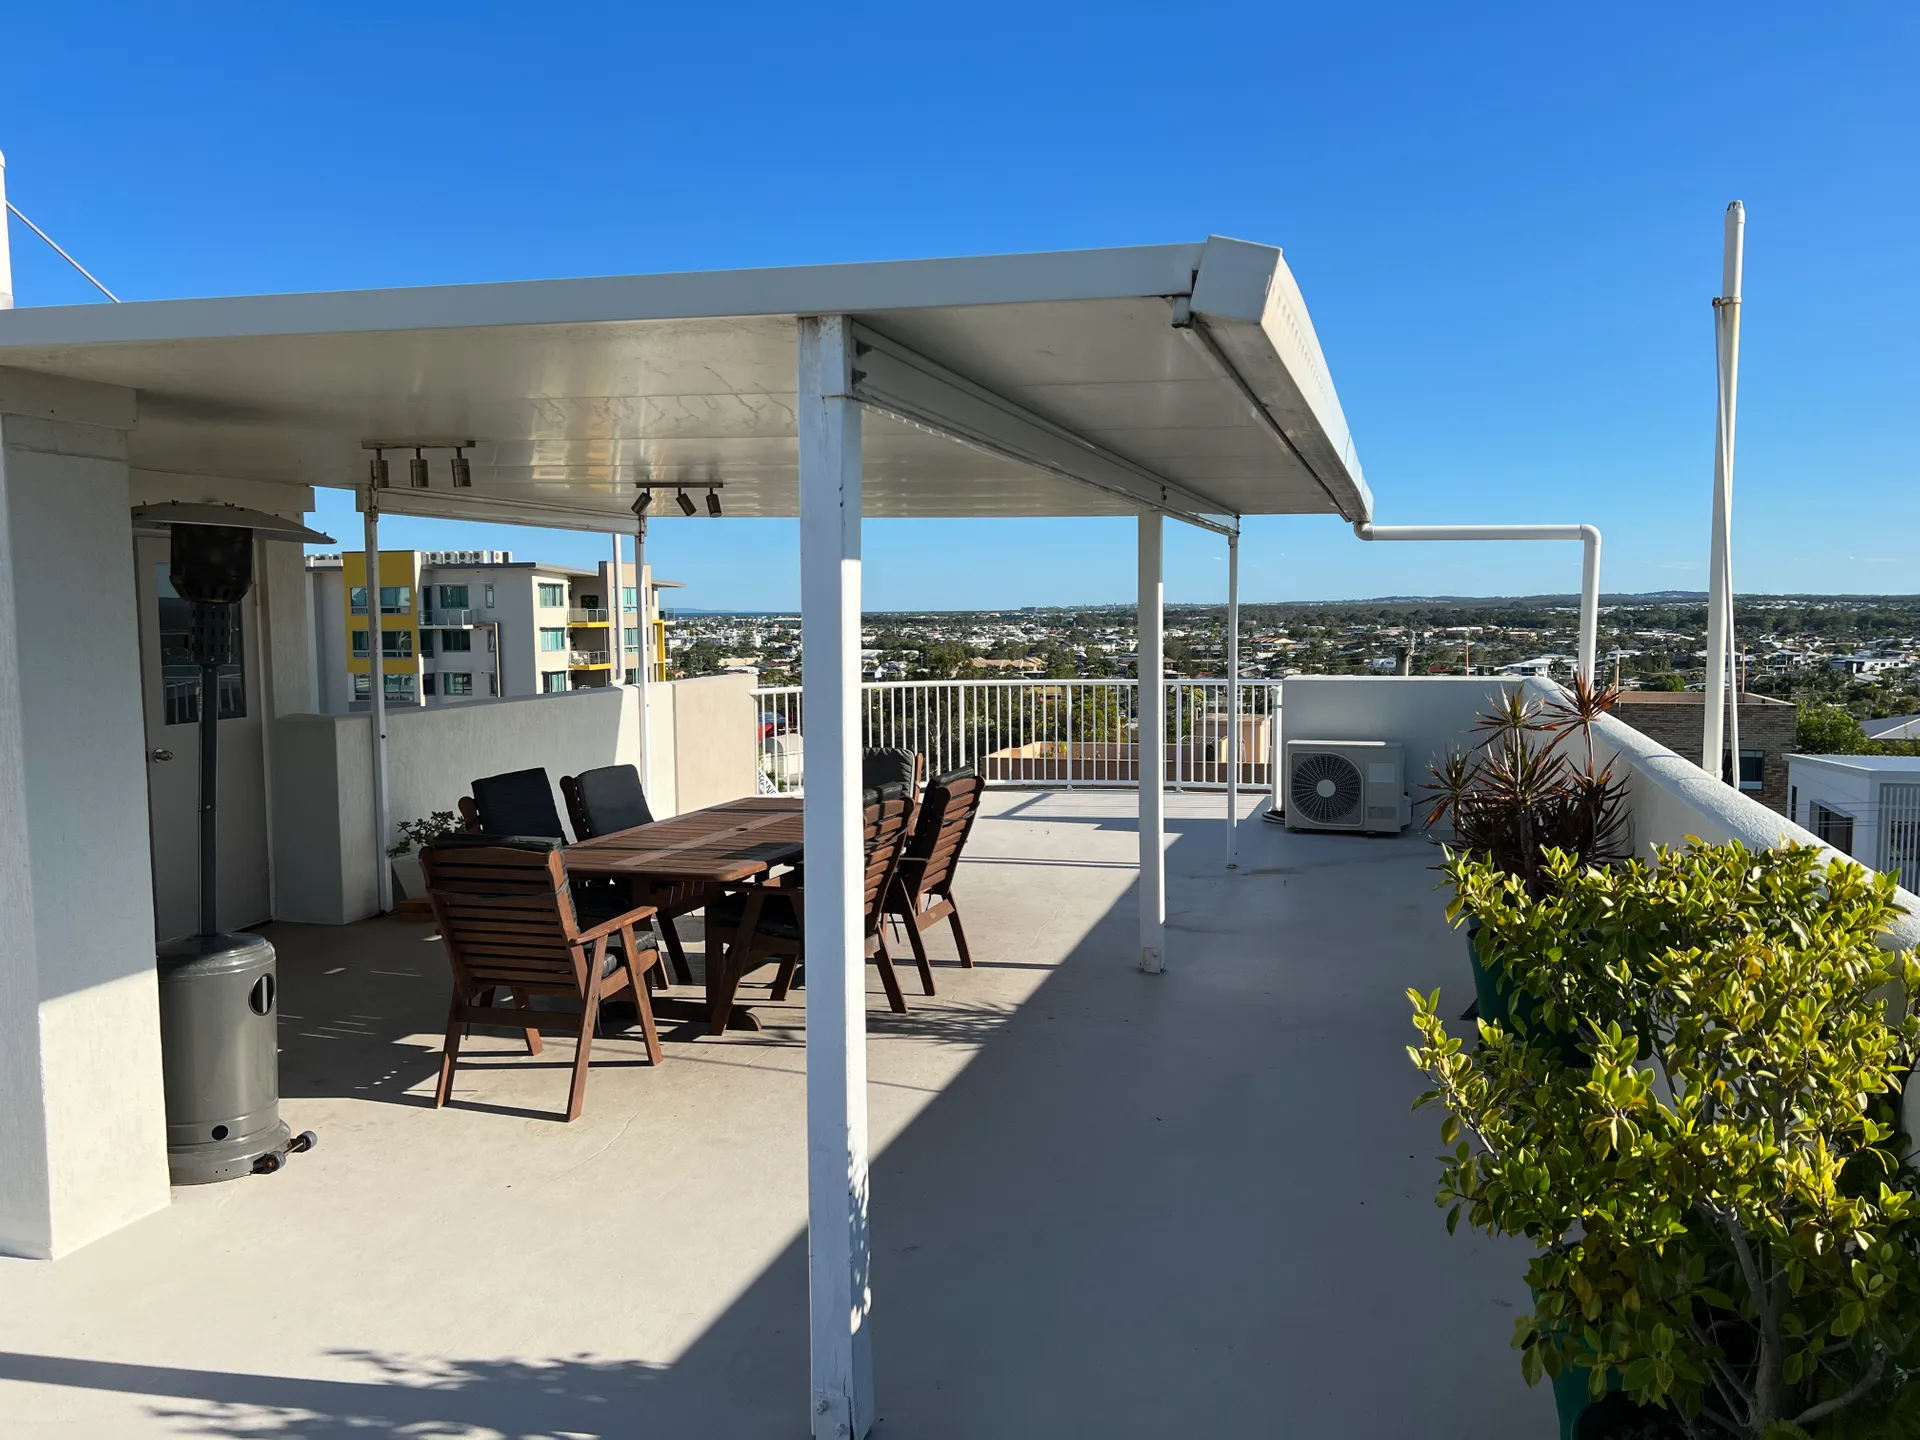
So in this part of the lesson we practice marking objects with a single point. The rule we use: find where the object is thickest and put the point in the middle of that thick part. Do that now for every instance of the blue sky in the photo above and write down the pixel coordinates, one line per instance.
(1505, 219)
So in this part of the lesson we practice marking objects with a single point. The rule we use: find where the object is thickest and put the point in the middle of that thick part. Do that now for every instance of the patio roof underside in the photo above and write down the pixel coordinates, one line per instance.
(1183, 378)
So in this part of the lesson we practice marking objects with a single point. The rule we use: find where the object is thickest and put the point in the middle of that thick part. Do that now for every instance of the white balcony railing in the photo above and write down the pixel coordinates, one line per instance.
(448, 619)
(586, 659)
(1041, 733)
(578, 616)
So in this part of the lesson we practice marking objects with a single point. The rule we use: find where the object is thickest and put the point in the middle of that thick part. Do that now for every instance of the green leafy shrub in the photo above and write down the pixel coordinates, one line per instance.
(1719, 1215)
(1829, 730)
(423, 832)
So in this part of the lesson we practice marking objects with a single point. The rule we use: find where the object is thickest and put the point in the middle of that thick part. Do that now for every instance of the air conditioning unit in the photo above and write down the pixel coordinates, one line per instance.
(1347, 785)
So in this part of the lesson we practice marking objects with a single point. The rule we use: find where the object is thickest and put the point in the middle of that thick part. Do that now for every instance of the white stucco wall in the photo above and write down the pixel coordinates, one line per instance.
(93, 1022)
(1428, 714)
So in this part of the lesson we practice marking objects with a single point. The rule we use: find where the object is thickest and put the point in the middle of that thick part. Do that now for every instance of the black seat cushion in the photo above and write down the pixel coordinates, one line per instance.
(613, 798)
(776, 916)
(883, 766)
(519, 802)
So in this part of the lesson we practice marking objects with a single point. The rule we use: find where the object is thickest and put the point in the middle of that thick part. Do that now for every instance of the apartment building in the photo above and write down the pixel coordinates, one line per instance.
(459, 625)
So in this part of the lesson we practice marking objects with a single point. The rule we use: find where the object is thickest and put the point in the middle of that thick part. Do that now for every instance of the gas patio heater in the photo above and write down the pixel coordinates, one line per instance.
(218, 1012)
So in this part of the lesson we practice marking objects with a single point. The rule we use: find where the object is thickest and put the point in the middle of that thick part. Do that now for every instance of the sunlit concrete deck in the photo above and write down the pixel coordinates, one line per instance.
(1104, 1203)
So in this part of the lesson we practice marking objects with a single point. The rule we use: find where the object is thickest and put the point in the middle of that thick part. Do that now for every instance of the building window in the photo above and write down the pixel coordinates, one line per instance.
(552, 682)
(357, 599)
(553, 597)
(453, 597)
(400, 687)
(492, 631)
(394, 599)
(426, 684)
(553, 639)
(493, 686)
(630, 637)
(179, 675)
(362, 686)
(1753, 769)
(394, 644)
(459, 683)
(426, 645)
(1833, 827)
(489, 597)
(453, 641)
(633, 677)
(629, 597)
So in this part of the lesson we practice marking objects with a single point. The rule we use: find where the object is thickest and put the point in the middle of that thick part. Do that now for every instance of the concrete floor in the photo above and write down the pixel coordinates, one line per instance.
(1104, 1204)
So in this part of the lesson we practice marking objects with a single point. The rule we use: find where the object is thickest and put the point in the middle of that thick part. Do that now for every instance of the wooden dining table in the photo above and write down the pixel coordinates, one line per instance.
(721, 846)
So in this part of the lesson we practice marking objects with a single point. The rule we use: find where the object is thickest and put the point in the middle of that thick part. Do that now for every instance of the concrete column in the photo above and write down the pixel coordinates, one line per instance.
(82, 1118)
(837, 1197)
(377, 706)
(1152, 711)
(1233, 701)
(616, 647)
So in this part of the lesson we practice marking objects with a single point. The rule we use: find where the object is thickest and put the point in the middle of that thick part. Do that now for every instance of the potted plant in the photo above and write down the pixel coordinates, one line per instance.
(408, 880)
(1721, 1220)
(1533, 785)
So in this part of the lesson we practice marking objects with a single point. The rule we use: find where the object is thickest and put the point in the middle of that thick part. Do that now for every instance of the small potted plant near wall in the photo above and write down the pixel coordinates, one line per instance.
(1534, 785)
(409, 882)
(1725, 1227)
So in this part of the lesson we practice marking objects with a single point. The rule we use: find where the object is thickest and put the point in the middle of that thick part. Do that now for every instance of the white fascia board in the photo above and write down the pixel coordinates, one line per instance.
(891, 378)
(1127, 273)
(1247, 300)
(72, 402)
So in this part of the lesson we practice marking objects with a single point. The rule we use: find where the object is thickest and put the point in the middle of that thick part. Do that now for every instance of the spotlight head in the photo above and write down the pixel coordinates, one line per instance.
(462, 469)
(643, 502)
(713, 503)
(417, 470)
(377, 471)
(687, 507)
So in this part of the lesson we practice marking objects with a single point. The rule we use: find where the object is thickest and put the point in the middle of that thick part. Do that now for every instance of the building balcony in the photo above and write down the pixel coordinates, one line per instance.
(578, 616)
(588, 660)
(450, 619)
(1064, 1148)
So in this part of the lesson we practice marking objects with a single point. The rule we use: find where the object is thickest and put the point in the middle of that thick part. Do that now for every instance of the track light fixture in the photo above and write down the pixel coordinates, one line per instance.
(713, 502)
(377, 471)
(417, 470)
(462, 469)
(643, 502)
(687, 507)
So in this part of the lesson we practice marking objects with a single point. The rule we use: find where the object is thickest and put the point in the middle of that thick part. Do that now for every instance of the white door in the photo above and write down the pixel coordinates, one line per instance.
(170, 683)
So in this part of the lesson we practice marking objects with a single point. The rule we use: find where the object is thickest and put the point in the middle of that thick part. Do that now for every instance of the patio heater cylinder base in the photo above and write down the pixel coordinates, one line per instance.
(219, 1054)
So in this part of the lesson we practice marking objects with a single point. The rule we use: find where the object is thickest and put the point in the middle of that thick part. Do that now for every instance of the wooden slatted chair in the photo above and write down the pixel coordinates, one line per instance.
(767, 922)
(611, 798)
(922, 892)
(507, 916)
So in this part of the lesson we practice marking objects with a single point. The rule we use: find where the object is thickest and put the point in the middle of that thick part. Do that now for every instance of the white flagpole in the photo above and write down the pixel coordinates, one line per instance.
(1717, 733)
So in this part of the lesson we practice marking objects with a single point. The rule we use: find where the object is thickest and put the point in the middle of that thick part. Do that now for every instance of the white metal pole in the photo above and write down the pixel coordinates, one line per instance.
(1726, 332)
(6, 252)
(837, 1167)
(616, 641)
(377, 702)
(1590, 603)
(1233, 701)
(644, 684)
(1152, 712)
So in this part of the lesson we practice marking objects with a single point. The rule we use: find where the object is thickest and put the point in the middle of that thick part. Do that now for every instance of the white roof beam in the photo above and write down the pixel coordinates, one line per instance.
(890, 378)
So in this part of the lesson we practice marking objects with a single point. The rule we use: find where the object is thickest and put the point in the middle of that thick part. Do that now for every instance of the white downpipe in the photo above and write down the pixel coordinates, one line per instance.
(1233, 701)
(1151, 708)
(840, 1286)
(6, 251)
(616, 637)
(377, 705)
(1721, 732)
(645, 679)
(1587, 535)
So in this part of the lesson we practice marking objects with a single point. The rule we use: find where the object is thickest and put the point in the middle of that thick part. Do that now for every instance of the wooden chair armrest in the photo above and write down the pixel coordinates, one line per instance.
(618, 922)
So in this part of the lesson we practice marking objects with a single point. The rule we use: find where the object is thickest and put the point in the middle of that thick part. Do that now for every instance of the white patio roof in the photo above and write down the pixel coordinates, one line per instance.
(1184, 378)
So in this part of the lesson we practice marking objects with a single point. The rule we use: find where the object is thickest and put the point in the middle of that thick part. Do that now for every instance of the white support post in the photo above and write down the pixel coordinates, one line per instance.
(377, 705)
(837, 1172)
(1152, 711)
(6, 251)
(616, 642)
(644, 602)
(1233, 701)
(1726, 334)
(1590, 604)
